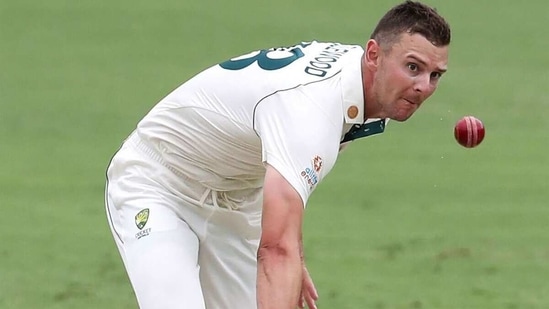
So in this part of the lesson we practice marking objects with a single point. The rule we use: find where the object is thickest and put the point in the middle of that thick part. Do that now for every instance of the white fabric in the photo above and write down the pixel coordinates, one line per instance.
(222, 125)
(196, 162)
(186, 255)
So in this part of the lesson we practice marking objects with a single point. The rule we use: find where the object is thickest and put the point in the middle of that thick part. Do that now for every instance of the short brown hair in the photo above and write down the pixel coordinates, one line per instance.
(412, 17)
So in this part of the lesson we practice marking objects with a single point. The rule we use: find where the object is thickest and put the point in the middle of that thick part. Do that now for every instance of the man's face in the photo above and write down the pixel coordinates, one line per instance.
(407, 74)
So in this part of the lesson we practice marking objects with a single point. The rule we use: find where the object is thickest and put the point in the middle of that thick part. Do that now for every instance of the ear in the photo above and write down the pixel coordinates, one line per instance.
(372, 54)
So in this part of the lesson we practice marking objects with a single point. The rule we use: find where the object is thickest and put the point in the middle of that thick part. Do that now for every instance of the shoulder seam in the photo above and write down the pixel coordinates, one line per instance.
(283, 90)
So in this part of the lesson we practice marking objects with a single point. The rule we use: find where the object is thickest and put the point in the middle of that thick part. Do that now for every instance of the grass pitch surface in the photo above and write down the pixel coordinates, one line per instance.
(408, 219)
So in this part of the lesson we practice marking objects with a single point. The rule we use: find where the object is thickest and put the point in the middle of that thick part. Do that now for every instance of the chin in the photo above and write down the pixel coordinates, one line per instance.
(401, 118)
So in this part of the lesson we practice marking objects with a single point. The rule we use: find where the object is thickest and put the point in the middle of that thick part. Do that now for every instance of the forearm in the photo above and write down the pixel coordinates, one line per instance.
(279, 264)
(279, 277)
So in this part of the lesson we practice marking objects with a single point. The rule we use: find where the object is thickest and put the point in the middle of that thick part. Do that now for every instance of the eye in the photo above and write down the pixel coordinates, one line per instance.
(436, 75)
(413, 67)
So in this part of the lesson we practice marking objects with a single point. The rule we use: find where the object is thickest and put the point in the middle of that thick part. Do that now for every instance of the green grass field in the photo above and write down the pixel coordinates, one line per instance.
(408, 219)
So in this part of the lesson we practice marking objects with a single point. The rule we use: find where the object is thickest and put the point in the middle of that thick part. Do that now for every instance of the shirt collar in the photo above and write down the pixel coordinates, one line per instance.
(352, 88)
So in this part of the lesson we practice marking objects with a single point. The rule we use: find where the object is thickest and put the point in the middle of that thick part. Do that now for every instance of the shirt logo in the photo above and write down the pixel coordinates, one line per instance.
(311, 174)
(317, 164)
(141, 218)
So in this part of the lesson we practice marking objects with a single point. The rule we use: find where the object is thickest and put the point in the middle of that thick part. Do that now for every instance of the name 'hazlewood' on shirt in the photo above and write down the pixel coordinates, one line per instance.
(320, 65)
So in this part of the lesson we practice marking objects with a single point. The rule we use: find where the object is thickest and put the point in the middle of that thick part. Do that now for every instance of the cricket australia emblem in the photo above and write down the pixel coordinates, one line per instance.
(141, 218)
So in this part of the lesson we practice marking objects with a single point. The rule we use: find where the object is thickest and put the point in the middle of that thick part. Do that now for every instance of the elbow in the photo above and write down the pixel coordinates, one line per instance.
(276, 252)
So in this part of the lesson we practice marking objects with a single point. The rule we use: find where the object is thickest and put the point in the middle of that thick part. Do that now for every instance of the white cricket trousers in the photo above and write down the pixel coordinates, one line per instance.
(181, 248)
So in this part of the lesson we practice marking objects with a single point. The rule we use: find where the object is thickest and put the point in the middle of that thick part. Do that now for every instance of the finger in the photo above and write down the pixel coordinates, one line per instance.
(311, 302)
(301, 303)
(311, 291)
(309, 286)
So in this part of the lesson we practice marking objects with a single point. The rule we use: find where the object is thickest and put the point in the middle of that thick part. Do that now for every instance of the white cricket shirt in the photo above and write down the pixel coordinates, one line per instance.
(288, 107)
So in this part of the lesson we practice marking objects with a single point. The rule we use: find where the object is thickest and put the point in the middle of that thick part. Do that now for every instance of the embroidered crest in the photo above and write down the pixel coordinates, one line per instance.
(141, 218)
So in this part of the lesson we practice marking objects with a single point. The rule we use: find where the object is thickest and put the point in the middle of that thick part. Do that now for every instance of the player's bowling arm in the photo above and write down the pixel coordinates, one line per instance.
(279, 274)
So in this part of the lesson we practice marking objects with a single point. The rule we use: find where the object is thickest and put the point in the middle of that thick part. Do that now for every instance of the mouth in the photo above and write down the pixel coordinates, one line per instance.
(410, 101)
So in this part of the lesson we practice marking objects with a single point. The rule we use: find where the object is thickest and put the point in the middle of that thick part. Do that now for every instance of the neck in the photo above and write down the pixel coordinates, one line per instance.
(371, 108)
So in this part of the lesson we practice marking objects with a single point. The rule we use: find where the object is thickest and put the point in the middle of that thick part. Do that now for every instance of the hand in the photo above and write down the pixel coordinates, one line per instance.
(308, 291)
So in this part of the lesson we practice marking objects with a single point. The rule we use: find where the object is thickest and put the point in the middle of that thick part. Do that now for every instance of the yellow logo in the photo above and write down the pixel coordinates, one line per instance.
(141, 218)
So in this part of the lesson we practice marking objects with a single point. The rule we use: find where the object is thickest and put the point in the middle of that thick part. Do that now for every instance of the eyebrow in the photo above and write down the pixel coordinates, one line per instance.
(441, 70)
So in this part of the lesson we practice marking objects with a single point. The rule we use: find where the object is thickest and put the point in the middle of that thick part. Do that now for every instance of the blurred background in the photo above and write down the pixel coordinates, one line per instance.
(408, 219)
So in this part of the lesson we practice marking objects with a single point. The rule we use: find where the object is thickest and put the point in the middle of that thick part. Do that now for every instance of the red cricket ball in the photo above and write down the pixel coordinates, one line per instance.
(469, 131)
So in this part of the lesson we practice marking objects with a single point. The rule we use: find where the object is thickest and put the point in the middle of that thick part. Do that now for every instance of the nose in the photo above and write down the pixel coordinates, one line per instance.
(423, 84)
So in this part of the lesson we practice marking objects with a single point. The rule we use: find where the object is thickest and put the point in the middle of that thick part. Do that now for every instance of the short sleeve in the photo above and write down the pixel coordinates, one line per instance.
(299, 137)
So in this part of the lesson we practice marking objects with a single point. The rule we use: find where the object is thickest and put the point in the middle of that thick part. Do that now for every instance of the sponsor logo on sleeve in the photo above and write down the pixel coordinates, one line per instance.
(317, 164)
(311, 174)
